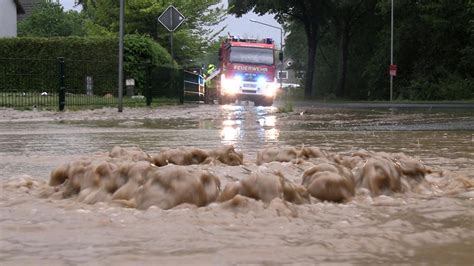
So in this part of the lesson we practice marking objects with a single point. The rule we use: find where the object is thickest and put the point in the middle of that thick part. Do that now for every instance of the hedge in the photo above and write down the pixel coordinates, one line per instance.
(29, 64)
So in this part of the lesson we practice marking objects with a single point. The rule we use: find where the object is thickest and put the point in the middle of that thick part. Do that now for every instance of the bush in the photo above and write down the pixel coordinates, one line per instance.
(141, 51)
(451, 87)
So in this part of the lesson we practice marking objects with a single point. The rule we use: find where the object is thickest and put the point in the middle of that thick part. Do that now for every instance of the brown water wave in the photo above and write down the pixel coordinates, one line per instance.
(379, 230)
(431, 227)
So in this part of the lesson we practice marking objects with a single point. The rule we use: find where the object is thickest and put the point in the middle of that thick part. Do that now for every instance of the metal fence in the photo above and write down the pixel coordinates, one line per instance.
(28, 82)
(194, 88)
(60, 83)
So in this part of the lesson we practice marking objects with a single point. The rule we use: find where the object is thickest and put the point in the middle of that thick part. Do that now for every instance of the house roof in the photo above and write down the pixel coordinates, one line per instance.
(28, 6)
(19, 7)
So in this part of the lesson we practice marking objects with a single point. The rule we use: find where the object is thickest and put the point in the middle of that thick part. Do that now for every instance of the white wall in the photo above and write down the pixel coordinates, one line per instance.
(7, 18)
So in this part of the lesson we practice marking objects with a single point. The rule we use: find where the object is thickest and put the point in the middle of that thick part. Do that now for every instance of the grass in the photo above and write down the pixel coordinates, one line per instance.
(287, 108)
(74, 102)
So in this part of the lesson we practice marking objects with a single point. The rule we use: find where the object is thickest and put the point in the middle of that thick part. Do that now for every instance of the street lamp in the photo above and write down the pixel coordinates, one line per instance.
(281, 46)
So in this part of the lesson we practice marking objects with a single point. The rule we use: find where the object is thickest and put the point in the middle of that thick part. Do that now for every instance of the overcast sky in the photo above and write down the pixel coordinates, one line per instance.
(236, 26)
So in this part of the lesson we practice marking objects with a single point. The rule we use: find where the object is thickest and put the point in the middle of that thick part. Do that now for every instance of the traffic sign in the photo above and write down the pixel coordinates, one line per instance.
(393, 70)
(171, 19)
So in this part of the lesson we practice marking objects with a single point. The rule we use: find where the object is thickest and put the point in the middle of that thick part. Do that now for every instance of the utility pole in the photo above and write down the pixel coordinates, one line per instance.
(120, 66)
(391, 54)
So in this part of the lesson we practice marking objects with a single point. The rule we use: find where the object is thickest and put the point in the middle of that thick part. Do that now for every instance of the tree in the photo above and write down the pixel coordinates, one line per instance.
(191, 39)
(49, 19)
(295, 48)
(432, 46)
(345, 17)
(309, 13)
(86, 3)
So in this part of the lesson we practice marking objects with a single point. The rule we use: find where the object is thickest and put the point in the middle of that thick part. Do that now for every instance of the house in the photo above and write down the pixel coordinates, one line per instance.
(28, 6)
(9, 10)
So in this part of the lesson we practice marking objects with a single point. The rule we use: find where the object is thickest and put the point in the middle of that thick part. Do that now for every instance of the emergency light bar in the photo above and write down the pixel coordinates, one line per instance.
(249, 40)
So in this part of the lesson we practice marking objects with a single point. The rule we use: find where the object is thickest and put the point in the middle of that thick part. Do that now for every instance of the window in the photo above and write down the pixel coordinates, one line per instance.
(282, 74)
(251, 55)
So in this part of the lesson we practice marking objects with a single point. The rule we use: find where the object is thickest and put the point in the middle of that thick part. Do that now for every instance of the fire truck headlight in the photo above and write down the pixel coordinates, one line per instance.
(261, 81)
(238, 78)
(231, 86)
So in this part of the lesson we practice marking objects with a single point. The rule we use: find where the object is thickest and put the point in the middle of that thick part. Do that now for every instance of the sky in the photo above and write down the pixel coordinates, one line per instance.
(235, 26)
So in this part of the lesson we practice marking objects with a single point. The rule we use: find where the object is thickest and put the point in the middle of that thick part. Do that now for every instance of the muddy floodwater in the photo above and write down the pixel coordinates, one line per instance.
(409, 228)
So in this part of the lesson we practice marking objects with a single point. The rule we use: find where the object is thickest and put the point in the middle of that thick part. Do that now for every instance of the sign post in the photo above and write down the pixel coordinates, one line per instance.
(171, 19)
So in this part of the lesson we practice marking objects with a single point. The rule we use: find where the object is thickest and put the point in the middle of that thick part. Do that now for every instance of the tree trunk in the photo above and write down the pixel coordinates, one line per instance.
(342, 61)
(312, 39)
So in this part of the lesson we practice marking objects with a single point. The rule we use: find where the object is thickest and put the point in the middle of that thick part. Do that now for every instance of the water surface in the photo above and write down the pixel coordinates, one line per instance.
(405, 228)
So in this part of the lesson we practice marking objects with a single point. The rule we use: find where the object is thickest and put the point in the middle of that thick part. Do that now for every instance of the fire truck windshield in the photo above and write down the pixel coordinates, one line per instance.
(251, 55)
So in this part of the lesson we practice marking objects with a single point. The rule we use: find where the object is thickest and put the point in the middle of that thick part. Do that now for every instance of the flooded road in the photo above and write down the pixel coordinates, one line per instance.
(402, 228)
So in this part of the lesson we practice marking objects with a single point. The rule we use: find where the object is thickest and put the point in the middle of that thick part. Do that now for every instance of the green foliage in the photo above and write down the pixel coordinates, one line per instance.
(294, 47)
(84, 57)
(36, 67)
(210, 55)
(29, 101)
(93, 30)
(190, 39)
(74, 48)
(311, 15)
(49, 19)
(101, 19)
(141, 51)
(450, 88)
(433, 48)
(292, 94)
(287, 108)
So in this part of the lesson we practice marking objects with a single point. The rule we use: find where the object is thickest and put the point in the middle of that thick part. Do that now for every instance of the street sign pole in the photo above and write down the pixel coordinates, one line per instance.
(171, 19)
(171, 47)
(171, 38)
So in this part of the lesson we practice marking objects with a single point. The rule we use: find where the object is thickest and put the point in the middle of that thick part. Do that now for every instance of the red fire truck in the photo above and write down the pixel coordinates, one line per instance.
(247, 71)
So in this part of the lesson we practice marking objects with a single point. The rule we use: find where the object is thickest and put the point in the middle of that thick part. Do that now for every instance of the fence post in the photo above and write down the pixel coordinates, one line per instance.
(180, 82)
(148, 86)
(62, 85)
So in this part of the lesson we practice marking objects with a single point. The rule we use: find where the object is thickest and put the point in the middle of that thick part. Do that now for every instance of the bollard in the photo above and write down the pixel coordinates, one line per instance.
(130, 87)
(62, 84)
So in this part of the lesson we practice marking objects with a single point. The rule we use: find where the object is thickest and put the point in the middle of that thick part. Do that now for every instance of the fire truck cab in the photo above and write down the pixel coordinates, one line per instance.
(247, 71)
